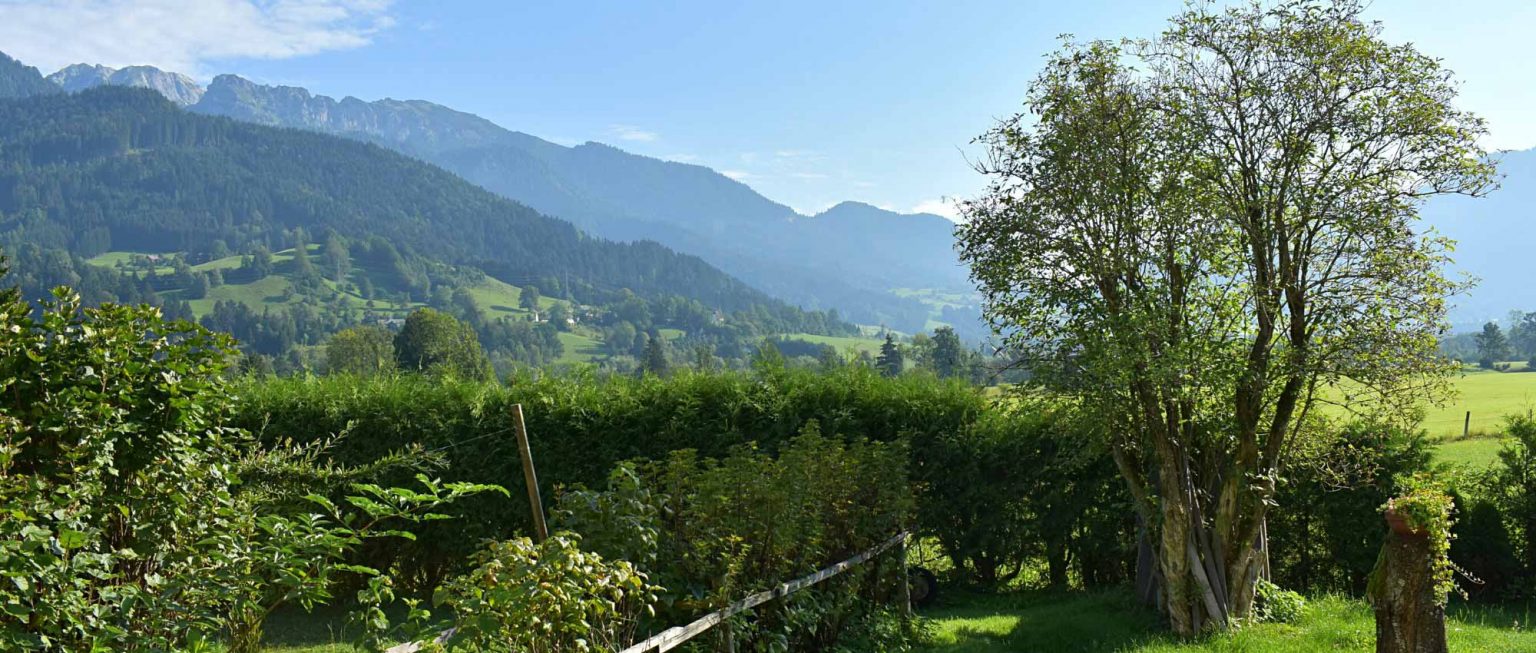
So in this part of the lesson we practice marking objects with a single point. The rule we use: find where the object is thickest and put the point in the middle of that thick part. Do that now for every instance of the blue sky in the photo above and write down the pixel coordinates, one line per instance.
(810, 103)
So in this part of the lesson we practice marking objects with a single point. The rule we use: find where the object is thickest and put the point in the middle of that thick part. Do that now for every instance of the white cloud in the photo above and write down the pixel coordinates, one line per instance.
(738, 175)
(183, 35)
(632, 133)
(943, 206)
(807, 175)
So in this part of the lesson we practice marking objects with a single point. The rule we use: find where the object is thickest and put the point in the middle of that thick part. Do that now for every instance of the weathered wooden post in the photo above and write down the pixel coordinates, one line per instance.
(1411, 581)
(906, 582)
(529, 477)
(1466, 425)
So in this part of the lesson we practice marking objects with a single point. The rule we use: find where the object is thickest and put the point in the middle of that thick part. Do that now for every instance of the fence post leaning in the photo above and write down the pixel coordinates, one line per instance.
(536, 504)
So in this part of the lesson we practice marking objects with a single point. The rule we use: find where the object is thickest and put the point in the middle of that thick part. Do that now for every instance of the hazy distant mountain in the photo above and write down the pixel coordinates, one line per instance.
(1496, 240)
(849, 257)
(18, 80)
(176, 87)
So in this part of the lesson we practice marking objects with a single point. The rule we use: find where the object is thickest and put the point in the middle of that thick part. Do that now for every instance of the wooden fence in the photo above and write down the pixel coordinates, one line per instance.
(673, 637)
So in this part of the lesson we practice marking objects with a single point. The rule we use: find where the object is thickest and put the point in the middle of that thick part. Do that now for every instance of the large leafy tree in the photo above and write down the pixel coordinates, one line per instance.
(1196, 233)
(431, 341)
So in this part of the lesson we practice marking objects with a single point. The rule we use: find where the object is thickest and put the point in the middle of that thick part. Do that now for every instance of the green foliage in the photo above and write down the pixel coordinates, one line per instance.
(1019, 485)
(713, 531)
(1426, 507)
(1277, 605)
(362, 350)
(435, 342)
(137, 519)
(1148, 246)
(1316, 539)
(551, 596)
(581, 427)
(890, 362)
(114, 469)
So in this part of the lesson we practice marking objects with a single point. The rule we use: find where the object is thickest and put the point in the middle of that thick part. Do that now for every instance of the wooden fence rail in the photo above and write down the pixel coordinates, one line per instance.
(673, 637)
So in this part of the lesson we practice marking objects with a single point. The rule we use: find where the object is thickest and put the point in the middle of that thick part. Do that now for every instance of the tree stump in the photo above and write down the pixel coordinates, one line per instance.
(1409, 618)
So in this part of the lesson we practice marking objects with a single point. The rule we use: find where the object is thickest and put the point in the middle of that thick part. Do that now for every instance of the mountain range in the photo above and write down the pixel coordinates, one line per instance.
(853, 257)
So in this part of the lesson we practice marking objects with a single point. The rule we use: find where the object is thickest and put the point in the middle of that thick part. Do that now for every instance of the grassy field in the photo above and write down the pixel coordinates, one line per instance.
(842, 343)
(1111, 622)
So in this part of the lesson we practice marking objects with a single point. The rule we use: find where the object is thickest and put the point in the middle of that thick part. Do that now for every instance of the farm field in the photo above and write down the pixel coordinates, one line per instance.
(842, 343)
(1112, 622)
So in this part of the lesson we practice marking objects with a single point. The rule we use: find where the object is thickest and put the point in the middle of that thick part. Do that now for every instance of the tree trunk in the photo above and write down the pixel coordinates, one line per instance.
(1408, 618)
(1056, 562)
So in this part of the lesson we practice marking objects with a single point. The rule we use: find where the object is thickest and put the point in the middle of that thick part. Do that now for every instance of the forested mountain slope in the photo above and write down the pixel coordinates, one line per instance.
(120, 168)
(849, 259)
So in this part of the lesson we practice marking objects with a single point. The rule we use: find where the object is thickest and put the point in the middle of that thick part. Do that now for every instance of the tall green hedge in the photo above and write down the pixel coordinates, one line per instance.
(580, 427)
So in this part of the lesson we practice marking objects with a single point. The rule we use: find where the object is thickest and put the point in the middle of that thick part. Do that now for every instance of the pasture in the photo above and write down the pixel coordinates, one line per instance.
(1112, 622)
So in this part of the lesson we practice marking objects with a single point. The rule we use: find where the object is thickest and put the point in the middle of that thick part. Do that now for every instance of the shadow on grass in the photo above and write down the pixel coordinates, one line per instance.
(1040, 621)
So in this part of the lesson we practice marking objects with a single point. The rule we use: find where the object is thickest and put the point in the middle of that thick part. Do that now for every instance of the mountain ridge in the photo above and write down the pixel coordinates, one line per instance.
(817, 263)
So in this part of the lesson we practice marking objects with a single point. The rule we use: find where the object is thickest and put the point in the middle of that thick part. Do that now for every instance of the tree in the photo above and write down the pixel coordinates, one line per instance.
(890, 362)
(1193, 234)
(335, 257)
(1492, 346)
(435, 342)
(655, 361)
(528, 299)
(948, 357)
(360, 350)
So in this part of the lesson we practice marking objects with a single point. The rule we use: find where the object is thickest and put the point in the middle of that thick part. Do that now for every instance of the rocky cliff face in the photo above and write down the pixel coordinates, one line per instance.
(417, 127)
(176, 87)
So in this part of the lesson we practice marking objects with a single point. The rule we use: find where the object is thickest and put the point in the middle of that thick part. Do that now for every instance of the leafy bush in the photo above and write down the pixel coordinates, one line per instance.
(1021, 484)
(1274, 604)
(1325, 530)
(136, 518)
(713, 531)
(581, 427)
(551, 597)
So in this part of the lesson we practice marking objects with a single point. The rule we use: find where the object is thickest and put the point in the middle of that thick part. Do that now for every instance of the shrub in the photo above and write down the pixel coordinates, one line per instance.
(551, 597)
(136, 518)
(581, 427)
(1325, 530)
(712, 531)
(1273, 604)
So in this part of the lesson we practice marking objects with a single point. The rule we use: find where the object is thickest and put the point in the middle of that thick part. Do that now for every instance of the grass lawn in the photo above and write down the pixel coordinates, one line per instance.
(1489, 396)
(841, 343)
(1111, 621)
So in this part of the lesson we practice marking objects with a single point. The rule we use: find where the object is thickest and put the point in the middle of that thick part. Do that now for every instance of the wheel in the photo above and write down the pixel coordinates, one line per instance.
(922, 585)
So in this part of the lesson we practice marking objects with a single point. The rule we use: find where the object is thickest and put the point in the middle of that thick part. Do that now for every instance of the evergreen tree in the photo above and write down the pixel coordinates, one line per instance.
(948, 356)
(335, 258)
(655, 361)
(890, 362)
(1492, 346)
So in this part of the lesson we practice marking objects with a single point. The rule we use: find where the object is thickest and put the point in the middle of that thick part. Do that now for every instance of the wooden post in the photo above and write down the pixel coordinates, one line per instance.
(906, 583)
(539, 527)
(1466, 426)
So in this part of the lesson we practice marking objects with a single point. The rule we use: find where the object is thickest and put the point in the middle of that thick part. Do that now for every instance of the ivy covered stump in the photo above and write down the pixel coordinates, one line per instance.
(1412, 578)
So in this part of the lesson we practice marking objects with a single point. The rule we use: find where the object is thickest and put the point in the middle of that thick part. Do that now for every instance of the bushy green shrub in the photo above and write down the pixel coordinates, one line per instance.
(1274, 604)
(551, 596)
(713, 531)
(1019, 484)
(1325, 530)
(135, 518)
(580, 427)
